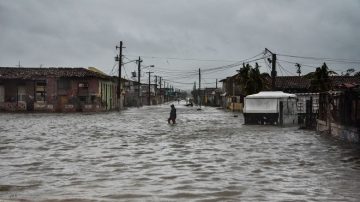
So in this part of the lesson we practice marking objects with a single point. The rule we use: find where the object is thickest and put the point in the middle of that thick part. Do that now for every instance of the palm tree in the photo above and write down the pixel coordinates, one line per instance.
(320, 79)
(250, 79)
(349, 72)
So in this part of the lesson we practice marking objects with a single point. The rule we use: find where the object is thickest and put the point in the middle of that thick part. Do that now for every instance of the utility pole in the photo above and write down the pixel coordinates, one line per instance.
(199, 88)
(139, 84)
(160, 82)
(155, 84)
(160, 90)
(165, 91)
(149, 88)
(119, 58)
(216, 84)
(273, 68)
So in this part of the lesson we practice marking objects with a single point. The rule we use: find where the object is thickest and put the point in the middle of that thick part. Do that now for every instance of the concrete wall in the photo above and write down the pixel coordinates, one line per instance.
(290, 116)
(344, 133)
(236, 106)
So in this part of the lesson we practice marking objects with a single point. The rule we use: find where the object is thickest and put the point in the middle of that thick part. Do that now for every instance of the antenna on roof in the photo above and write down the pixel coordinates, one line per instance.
(19, 65)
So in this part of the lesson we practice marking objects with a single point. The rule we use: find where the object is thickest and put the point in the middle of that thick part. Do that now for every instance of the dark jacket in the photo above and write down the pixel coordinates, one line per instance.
(173, 112)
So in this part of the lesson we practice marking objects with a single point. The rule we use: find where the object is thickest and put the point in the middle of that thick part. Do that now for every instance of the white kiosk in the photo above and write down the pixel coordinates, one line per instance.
(270, 107)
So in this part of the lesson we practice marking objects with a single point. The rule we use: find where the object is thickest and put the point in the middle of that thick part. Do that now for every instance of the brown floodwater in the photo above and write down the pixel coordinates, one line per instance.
(135, 155)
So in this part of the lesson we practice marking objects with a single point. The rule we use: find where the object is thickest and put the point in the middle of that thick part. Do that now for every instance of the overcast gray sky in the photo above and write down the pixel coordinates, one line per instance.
(83, 33)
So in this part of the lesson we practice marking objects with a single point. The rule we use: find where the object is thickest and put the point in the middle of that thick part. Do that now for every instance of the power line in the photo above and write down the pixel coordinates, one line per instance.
(177, 82)
(113, 68)
(248, 60)
(341, 60)
(267, 64)
(126, 74)
(191, 59)
(299, 63)
(285, 70)
(190, 74)
(237, 63)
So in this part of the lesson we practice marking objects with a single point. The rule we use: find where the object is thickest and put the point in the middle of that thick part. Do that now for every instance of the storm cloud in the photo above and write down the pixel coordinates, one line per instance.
(85, 32)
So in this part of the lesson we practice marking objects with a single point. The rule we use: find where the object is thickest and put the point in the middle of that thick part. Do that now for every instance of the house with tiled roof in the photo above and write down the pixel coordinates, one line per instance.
(56, 90)
(302, 84)
(299, 85)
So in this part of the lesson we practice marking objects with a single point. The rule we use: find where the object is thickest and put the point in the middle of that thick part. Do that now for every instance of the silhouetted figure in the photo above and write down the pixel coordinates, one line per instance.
(172, 114)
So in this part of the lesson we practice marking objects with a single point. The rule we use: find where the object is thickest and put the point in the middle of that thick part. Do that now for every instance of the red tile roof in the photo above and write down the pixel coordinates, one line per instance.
(30, 73)
(348, 85)
(293, 82)
(296, 82)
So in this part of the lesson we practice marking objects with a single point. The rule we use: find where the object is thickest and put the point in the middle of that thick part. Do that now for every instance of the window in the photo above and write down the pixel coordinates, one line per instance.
(2, 93)
(83, 85)
(83, 99)
(21, 93)
(63, 84)
(83, 89)
(93, 99)
(40, 91)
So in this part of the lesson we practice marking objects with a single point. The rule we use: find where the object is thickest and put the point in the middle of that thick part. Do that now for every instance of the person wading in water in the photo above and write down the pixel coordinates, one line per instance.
(172, 114)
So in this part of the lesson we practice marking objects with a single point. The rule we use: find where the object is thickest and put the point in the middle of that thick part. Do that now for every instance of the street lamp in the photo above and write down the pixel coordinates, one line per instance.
(149, 97)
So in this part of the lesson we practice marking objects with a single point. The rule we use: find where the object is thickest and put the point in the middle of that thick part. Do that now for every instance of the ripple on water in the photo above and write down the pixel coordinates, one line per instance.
(128, 196)
(28, 164)
(25, 186)
(134, 156)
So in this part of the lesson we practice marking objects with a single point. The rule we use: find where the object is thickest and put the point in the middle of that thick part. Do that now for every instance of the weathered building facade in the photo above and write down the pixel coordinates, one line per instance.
(231, 98)
(56, 90)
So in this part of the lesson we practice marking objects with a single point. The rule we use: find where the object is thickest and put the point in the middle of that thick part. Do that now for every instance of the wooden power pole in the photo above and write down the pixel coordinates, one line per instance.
(139, 84)
(149, 88)
(273, 68)
(119, 58)
(199, 88)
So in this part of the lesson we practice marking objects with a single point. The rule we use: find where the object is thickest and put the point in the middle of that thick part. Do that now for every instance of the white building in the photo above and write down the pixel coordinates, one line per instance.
(272, 107)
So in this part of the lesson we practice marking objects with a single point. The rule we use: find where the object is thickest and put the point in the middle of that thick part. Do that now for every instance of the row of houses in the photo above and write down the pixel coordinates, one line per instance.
(335, 112)
(72, 90)
(231, 97)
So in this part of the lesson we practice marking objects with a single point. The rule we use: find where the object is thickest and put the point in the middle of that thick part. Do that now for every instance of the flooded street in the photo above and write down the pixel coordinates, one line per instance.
(135, 155)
